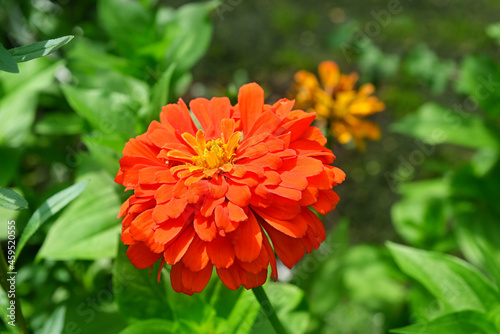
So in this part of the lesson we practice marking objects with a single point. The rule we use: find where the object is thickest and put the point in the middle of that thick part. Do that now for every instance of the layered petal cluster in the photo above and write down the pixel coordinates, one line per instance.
(230, 195)
(335, 99)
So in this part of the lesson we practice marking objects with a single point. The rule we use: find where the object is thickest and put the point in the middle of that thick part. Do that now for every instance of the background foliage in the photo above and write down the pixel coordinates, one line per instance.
(413, 246)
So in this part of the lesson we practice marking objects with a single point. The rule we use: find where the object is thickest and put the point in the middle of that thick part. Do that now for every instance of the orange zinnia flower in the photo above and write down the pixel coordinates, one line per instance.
(337, 101)
(214, 197)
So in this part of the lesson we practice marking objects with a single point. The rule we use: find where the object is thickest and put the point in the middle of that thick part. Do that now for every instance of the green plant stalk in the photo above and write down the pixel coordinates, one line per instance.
(268, 309)
(4, 269)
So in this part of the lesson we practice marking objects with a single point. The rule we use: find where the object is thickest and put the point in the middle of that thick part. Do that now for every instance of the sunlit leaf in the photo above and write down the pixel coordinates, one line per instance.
(38, 49)
(454, 282)
(138, 294)
(49, 208)
(55, 324)
(11, 200)
(435, 124)
(88, 229)
(465, 322)
(7, 62)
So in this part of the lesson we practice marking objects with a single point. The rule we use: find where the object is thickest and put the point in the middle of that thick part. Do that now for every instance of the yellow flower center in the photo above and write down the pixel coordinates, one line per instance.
(215, 155)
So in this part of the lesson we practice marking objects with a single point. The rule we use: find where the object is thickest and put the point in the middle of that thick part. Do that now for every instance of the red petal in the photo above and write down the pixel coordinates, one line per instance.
(231, 277)
(196, 257)
(289, 250)
(169, 230)
(176, 207)
(205, 227)
(293, 180)
(304, 166)
(326, 202)
(209, 204)
(236, 213)
(221, 252)
(249, 244)
(178, 248)
(141, 257)
(295, 227)
(196, 281)
(250, 102)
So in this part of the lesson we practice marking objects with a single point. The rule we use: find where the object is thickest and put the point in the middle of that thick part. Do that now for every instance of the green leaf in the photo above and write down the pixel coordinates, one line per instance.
(454, 282)
(59, 124)
(479, 80)
(107, 112)
(55, 324)
(423, 63)
(152, 326)
(242, 315)
(7, 63)
(38, 49)
(11, 200)
(88, 229)
(422, 222)
(289, 303)
(465, 322)
(49, 208)
(188, 35)
(138, 294)
(435, 124)
(493, 30)
(128, 23)
(160, 93)
(478, 237)
(18, 105)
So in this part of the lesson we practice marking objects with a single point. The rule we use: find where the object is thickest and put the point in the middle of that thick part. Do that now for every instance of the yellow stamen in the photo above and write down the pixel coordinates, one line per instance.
(214, 154)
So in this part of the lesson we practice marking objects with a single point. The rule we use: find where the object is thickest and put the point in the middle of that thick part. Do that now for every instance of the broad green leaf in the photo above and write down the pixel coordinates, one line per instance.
(435, 124)
(49, 208)
(160, 93)
(289, 303)
(7, 63)
(188, 35)
(129, 24)
(364, 263)
(464, 322)
(153, 326)
(454, 282)
(107, 112)
(423, 63)
(479, 80)
(10, 161)
(138, 294)
(88, 229)
(11, 200)
(55, 324)
(59, 124)
(493, 30)
(242, 315)
(38, 49)
(18, 105)
(478, 237)
(423, 222)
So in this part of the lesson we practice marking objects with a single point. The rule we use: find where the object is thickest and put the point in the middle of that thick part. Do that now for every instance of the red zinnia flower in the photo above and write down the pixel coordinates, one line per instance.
(214, 197)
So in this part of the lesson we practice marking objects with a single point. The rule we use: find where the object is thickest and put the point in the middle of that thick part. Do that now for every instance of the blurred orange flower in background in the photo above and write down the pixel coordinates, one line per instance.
(221, 195)
(337, 101)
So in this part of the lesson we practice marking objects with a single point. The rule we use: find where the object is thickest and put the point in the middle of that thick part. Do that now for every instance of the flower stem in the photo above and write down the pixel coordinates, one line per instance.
(5, 285)
(268, 309)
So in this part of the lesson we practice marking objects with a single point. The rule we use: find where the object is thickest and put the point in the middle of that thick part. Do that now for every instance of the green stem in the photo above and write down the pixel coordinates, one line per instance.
(268, 309)
(4, 269)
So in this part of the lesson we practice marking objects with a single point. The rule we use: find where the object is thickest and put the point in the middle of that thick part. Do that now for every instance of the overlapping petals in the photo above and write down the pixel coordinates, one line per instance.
(337, 101)
(231, 195)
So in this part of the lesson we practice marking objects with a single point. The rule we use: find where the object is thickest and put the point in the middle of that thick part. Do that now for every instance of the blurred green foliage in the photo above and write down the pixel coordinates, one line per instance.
(64, 119)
